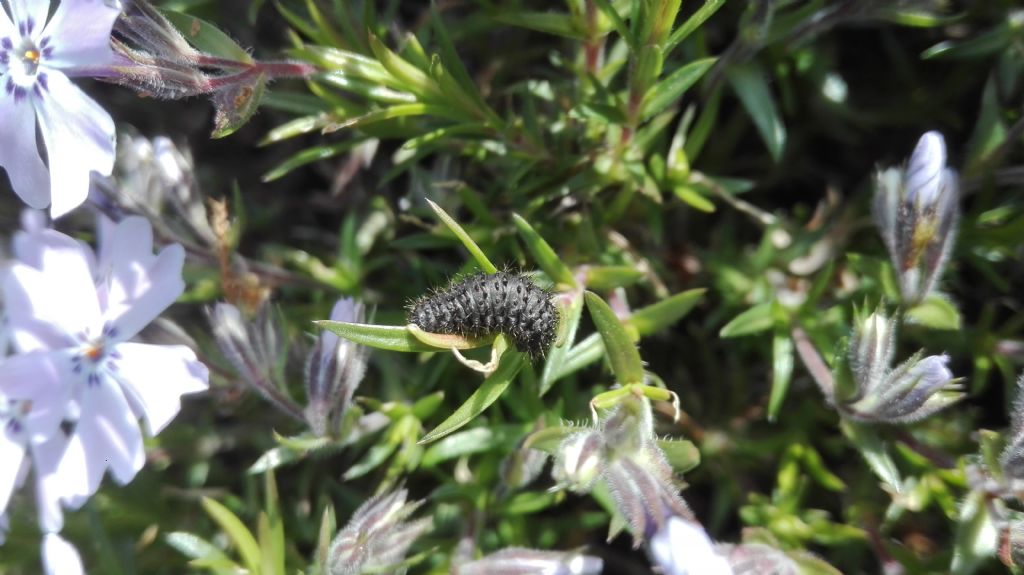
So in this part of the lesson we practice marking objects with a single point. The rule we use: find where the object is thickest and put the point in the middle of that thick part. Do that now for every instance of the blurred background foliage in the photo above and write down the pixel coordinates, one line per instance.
(731, 148)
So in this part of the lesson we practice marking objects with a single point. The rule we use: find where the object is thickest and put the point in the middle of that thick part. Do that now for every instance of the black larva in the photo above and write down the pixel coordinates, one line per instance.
(485, 304)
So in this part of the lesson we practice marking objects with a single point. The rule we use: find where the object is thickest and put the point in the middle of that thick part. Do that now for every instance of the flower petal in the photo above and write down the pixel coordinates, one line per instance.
(60, 557)
(79, 137)
(12, 452)
(80, 34)
(19, 155)
(164, 286)
(110, 432)
(30, 11)
(46, 309)
(125, 256)
(41, 379)
(154, 377)
(51, 486)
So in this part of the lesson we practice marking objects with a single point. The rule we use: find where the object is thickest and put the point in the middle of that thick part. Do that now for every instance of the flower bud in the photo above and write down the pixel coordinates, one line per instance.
(256, 350)
(517, 561)
(1012, 459)
(916, 389)
(916, 210)
(333, 372)
(579, 461)
(377, 536)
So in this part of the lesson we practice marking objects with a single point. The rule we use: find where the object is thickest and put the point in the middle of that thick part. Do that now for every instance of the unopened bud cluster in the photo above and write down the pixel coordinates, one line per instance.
(622, 453)
(879, 393)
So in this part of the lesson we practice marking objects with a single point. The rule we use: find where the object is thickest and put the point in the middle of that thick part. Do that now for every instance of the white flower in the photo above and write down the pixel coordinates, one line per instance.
(71, 318)
(60, 557)
(37, 60)
(682, 547)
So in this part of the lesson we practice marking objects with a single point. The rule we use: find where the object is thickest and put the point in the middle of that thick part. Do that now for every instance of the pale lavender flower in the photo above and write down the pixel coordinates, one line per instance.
(682, 547)
(72, 316)
(333, 372)
(60, 557)
(517, 561)
(37, 60)
(377, 536)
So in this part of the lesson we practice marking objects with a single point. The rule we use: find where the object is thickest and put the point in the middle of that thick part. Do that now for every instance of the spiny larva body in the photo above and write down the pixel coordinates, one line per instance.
(486, 304)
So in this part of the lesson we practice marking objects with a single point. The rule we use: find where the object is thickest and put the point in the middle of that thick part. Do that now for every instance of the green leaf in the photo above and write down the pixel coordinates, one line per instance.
(977, 536)
(754, 320)
(308, 156)
(693, 198)
(236, 532)
(328, 527)
(617, 22)
(549, 438)
(373, 459)
(411, 78)
(570, 319)
(546, 257)
(233, 106)
(390, 337)
(488, 392)
(448, 341)
(206, 37)
(666, 92)
(682, 455)
(470, 441)
(782, 371)
(610, 277)
(658, 316)
(694, 22)
(196, 547)
(619, 346)
(751, 86)
(875, 452)
(474, 250)
(935, 312)
(547, 22)
(581, 355)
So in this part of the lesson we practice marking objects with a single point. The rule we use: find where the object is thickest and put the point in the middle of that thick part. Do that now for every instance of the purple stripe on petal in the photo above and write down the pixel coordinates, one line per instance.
(42, 81)
(6, 43)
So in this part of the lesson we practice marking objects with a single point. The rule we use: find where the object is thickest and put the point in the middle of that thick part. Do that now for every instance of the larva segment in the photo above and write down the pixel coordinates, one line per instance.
(487, 304)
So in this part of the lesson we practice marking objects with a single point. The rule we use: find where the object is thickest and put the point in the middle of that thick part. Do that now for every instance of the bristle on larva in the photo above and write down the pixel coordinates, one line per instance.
(487, 304)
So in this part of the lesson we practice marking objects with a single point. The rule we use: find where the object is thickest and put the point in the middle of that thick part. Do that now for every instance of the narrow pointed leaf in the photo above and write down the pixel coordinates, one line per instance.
(546, 257)
(751, 86)
(474, 250)
(619, 346)
(782, 371)
(242, 539)
(390, 337)
(570, 315)
(488, 392)
(658, 316)
(754, 320)
(667, 91)
(206, 37)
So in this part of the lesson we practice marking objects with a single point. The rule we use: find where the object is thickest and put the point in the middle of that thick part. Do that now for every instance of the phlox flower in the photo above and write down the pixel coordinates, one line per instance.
(71, 318)
(37, 59)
